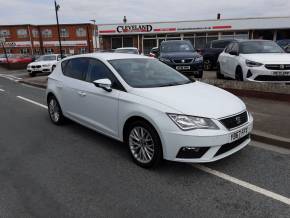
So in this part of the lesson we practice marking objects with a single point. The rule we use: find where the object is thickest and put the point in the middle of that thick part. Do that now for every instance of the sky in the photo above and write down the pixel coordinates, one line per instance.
(113, 11)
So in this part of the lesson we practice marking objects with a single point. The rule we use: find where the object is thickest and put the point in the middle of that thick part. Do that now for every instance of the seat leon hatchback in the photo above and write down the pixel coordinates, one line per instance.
(156, 111)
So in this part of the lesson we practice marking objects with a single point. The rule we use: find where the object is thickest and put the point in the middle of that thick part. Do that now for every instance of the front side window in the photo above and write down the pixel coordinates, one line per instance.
(148, 73)
(176, 47)
(253, 47)
(22, 33)
(75, 68)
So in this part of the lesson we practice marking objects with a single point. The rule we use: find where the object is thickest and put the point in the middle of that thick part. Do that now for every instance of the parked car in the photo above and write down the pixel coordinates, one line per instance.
(283, 43)
(128, 50)
(254, 60)
(180, 55)
(16, 59)
(155, 110)
(154, 52)
(212, 51)
(44, 64)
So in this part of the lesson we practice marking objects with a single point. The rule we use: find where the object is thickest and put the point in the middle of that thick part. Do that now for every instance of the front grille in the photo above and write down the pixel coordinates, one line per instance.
(36, 66)
(183, 61)
(278, 66)
(272, 78)
(229, 146)
(235, 121)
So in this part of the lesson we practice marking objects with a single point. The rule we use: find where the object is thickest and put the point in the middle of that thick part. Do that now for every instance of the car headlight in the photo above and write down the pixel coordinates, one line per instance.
(165, 60)
(253, 63)
(46, 65)
(198, 59)
(186, 122)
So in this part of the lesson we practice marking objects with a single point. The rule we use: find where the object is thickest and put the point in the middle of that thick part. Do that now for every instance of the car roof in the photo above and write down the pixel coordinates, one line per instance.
(109, 56)
(126, 48)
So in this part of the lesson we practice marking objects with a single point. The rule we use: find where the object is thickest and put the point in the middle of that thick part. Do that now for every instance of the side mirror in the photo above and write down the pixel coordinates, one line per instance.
(234, 53)
(105, 84)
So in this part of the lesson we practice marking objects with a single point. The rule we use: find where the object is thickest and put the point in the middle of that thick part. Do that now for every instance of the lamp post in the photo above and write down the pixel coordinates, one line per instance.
(95, 35)
(57, 7)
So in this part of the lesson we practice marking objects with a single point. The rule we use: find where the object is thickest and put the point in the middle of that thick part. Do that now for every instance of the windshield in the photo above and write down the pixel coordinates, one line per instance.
(127, 51)
(260, 47)
(146, 73)
(47, 58)
(181, 46)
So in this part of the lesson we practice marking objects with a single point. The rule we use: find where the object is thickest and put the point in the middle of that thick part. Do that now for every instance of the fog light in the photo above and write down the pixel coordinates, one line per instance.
(249, 74)
(191, 152)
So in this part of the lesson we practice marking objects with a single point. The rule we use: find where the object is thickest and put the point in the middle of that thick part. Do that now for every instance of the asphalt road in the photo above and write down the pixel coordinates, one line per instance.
(71, 171)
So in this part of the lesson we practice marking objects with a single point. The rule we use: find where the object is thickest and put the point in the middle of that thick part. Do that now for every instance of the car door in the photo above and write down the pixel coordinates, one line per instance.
(73, 85)
(100, 107)
(224, 58)
(233, 60)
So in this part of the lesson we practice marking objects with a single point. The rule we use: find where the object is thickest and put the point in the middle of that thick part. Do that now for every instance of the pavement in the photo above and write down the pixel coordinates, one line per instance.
(71, 171)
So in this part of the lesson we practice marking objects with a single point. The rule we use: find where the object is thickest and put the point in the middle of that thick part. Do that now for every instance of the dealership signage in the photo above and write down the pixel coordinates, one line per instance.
(134, 28)
(17, 44)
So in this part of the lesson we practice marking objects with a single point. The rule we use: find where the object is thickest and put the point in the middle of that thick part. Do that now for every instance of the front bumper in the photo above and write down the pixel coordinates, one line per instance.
(40, 69)
(210, 145)
(262, 74)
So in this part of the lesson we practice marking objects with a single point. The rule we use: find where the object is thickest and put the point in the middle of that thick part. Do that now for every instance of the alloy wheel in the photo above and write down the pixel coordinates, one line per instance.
(141, 145)
(54, 110)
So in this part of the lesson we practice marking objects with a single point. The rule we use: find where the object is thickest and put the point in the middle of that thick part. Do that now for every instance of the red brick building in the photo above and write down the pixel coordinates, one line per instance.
(43, 39)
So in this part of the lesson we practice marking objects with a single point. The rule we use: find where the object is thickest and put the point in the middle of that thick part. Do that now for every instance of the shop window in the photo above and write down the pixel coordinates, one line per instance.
(242, 35)
(35, 33)
(46, 33)
(127, 42)
(64, 32)
(24, 51)
(151, 36)
(8, 50)
(81, 32)
(22, 33)
(200, 42)
(116, 42)
(5, 33)
(48, 51)
(148, 44)
(83, 50)
(37, 51)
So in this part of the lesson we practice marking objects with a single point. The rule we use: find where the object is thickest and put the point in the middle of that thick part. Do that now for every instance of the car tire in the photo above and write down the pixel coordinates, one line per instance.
(54, 111)
(53, 67)
(32, 74)
(144, 144)
(219, 75)
(199, 75)
(239, 74)
(207, 64)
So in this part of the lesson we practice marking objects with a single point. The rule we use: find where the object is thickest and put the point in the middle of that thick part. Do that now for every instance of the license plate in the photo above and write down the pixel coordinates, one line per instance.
(281, 73)
(239, 134)
(183, 68)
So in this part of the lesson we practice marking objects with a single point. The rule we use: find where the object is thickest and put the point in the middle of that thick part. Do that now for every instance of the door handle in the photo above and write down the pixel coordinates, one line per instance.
(83, 94)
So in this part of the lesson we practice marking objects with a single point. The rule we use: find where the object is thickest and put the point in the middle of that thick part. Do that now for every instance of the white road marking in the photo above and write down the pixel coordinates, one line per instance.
(244, 184)
(270, 147)
(2, 90)
(33, 102)
(11, 77)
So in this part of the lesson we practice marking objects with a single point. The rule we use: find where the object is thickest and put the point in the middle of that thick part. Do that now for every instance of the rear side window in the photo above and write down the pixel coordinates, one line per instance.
(76, 68)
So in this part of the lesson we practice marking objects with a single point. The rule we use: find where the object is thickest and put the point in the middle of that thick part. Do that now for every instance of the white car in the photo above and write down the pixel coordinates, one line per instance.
(44, 64)
(155, 110)
(127, 50)
(254, 60)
